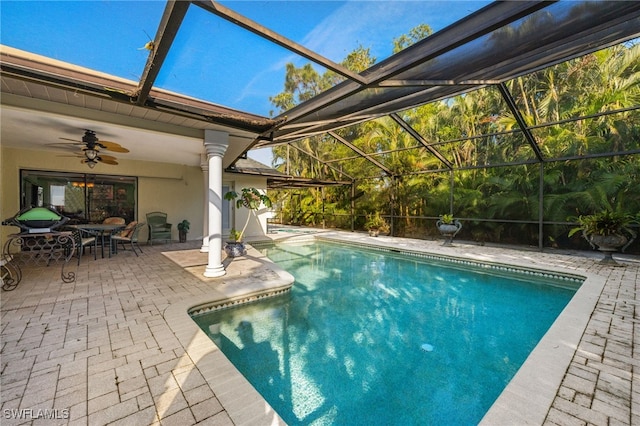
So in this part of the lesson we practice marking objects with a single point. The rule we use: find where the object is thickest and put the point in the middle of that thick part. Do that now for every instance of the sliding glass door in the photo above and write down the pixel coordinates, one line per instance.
(79, 196)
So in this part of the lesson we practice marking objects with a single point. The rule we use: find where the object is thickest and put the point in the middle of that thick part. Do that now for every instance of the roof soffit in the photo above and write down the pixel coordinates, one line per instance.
(43, 71)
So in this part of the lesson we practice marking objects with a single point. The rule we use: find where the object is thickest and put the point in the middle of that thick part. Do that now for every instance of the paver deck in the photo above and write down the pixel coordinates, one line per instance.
(117, 345)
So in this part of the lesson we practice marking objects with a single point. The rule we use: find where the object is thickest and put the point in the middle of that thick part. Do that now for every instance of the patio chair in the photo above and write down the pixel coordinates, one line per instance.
(82, 239)
(127, 236)
(159, 229)
(112, 220)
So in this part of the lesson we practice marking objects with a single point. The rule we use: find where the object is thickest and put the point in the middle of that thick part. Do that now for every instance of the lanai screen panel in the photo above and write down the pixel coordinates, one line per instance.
(359, 166)
(488, 150)
(607, 134)
(500, 42)
(207, 47)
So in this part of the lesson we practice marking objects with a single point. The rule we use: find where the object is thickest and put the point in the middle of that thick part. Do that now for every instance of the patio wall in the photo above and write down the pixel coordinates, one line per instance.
(255, 228)
(172, 188)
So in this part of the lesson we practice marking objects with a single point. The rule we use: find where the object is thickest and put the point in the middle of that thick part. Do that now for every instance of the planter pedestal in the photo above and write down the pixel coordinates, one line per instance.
(608, 244)
(449, 230)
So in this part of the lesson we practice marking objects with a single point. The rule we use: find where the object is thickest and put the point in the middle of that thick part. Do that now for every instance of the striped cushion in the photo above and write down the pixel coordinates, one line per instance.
(126, 232)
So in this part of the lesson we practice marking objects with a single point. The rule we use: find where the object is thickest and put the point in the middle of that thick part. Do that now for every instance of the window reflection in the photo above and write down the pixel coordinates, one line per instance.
(81, 197)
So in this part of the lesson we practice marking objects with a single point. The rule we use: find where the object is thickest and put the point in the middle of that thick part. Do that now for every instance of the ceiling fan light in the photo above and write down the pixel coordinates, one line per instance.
(91, 154)
(91, 164)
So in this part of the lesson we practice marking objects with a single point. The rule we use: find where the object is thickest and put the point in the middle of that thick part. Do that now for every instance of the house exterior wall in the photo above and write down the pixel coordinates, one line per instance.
(257, 224)
(177, 190)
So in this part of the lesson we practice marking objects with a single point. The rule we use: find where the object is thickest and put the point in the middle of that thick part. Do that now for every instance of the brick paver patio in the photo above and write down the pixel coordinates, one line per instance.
(117, 346)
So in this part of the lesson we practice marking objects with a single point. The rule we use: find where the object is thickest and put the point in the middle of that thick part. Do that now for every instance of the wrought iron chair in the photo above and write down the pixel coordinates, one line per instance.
(82, 239)
(128, 236)
(159, 229)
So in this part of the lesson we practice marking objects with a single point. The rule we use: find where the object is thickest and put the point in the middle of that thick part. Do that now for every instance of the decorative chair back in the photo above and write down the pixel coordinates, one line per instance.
(156, 218)
(80, 241)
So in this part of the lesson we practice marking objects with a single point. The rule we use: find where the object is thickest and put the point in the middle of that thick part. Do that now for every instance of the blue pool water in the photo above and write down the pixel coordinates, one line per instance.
(368, 337)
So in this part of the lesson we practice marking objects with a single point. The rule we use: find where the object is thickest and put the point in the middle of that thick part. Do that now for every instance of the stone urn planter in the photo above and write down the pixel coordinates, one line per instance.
(608, 231)
(235, 248)
(608, 244)
(449, 228)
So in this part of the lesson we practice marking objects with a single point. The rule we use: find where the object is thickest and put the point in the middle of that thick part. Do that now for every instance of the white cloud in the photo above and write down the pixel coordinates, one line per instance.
(374, 24)
(355, 23)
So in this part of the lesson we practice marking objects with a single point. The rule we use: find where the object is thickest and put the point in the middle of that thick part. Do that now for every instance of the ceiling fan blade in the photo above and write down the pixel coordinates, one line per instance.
(106, 157)
(73, 140)
(112, 146)
(66, 145)
(112, 162)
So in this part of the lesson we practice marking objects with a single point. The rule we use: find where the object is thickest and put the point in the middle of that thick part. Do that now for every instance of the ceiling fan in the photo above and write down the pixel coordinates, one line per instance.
(91, 147)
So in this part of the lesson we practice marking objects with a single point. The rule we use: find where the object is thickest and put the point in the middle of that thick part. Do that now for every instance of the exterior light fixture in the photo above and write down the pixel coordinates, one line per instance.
(91, 154)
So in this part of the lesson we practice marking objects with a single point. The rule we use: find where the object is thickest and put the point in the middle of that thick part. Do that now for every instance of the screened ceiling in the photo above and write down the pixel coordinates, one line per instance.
(484, 47)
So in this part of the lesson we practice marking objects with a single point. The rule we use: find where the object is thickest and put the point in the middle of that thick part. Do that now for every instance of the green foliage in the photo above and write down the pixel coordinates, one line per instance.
(416, 34)
(446, 218)
(184, 225)
(604, 223)
(251, 199)
(475, 132)
(234, 235)
(375, 222)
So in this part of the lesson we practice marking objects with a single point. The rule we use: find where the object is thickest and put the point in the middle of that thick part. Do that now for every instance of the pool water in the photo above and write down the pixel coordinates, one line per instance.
(368, 337)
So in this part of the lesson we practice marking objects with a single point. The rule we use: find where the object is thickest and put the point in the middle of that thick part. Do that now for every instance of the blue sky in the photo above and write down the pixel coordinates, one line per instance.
(212, 59)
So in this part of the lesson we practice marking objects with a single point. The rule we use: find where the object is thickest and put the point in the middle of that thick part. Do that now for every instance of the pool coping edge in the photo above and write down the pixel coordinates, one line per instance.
(242, 402)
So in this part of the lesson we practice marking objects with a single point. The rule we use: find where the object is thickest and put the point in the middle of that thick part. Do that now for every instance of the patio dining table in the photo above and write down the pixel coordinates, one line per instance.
(100, 230)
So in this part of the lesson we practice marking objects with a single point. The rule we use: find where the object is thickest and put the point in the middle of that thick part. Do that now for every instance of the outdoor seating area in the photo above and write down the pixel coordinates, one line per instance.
(102, 350)
(44, 237)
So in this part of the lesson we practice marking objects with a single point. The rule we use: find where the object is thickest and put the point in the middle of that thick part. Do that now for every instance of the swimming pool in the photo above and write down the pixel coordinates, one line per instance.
(377, 337)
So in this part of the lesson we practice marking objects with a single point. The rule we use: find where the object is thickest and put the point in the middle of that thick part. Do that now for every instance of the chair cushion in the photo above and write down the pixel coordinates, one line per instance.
(88, 240)
(114, 221)
(126, 232)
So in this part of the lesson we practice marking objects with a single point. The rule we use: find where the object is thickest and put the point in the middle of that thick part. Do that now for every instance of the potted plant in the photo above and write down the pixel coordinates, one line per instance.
(234, 247)
(608, 231)
(183, 229)
(376, 224)
(251, 199)
(448, 227)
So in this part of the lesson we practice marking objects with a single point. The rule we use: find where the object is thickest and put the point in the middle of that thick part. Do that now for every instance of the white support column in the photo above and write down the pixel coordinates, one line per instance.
(204, 165)
(216, 144)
